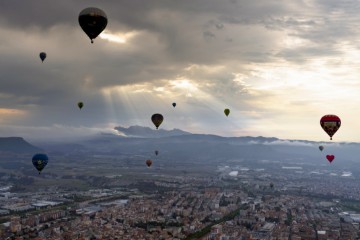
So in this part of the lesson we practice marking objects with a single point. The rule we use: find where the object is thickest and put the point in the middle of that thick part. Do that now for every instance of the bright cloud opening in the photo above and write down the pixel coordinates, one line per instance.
(120, 38)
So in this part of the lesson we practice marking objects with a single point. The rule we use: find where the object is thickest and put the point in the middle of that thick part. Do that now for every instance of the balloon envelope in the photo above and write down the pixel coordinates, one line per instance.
(148, 162)
(174, 104)
(156, 152)
(227, 111)
(42, 56)
(92, 21)
(330, 123)
(39, 161)
(80, 105)
(321, 148)
(157, 119)
(330, 158)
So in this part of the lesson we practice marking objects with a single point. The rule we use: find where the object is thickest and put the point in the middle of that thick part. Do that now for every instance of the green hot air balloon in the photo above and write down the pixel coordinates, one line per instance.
(80, 105)
(157, 119)
(227, 111)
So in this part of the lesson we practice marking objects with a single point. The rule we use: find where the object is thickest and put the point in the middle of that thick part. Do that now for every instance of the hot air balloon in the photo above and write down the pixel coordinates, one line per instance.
(330, 158)
(42, 56)
(174, 104)
(80, 105)
(156, 152)
(271, 185)
(148, 162)
(321, 148)
(227, 111)
(330, 124)
(39, 161)
(157, 119)
(92, 21)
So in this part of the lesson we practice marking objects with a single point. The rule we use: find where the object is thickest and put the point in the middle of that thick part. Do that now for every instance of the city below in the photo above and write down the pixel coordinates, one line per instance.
(254, 204)
(198, 187)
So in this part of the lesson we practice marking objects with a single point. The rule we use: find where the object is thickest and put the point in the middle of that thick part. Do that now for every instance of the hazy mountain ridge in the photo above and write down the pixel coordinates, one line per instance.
(198, 149)
(17, 145)
(146, 132)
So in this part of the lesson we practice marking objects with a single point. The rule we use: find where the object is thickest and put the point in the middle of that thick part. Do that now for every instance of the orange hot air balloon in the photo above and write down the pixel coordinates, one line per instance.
(330, 123)
(157, 119)
(148, 162)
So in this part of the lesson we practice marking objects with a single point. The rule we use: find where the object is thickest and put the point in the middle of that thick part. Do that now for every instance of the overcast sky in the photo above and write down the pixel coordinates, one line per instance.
(279, 66)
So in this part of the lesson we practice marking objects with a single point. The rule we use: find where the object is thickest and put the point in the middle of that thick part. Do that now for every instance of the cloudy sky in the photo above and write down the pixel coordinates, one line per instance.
(279, 66)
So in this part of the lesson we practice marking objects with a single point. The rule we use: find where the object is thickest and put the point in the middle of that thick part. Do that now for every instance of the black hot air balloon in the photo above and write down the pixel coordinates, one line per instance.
(93, 21)
(157, 119)
(227, 111)
(42, 56)
(80, 105)
(321, 148)
(39, 161)
(156, 152)
(174, 104)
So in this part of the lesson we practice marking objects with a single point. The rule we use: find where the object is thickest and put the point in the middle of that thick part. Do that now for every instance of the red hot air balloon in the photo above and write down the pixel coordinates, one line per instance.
(148, 162)
(330, 124)
(330, 158)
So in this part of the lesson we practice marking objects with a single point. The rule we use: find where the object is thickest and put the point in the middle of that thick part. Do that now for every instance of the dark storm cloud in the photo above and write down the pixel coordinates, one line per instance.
(169, 36)
(180, 26)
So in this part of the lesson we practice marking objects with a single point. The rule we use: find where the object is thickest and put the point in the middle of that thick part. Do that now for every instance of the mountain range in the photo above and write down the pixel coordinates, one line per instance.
(146, 132)
(16, 145)
(183, 147)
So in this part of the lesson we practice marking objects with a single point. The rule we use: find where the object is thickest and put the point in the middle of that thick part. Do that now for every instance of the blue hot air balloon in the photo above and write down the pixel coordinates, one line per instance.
(39, 161)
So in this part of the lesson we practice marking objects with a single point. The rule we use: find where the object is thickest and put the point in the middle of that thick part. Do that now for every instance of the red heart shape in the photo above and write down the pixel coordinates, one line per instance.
(330, 158)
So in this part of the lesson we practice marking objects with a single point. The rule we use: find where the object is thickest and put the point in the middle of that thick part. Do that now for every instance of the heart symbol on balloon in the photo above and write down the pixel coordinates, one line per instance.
(330, 158)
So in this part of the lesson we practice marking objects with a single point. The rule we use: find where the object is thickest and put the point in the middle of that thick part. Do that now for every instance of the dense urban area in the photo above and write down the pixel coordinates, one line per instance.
(232, 204)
